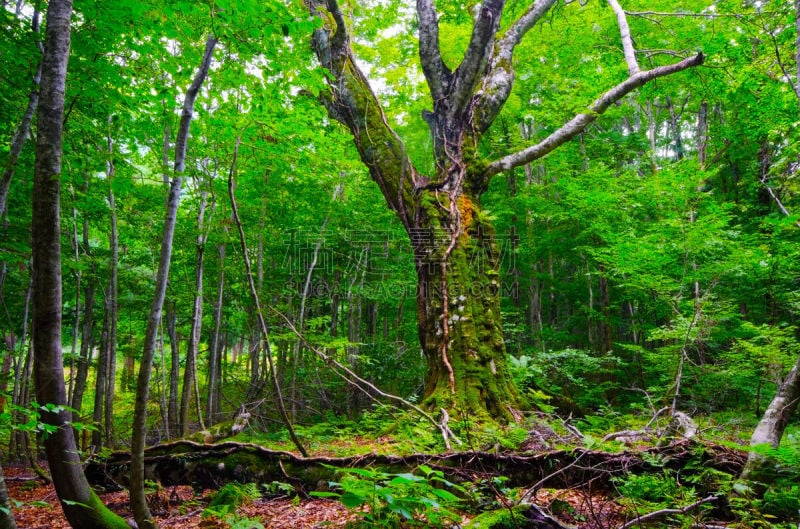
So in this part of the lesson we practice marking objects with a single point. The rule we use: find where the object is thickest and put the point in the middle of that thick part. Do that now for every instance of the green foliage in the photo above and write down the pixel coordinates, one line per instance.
(422, 499)
(650, 492)
(230, 497)
(781, 498)
(573, 375)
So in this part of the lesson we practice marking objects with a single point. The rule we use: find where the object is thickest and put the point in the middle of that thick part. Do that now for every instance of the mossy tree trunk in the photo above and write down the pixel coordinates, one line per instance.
(456, 258)
(458, 304)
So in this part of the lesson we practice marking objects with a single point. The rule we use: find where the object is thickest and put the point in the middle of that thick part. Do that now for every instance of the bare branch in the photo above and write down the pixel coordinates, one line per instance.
(666, 512)
(577, 124)
(777, 199)
(436, 72)
(367, 387)
(627, 41)
(699, 15)
(480, 47)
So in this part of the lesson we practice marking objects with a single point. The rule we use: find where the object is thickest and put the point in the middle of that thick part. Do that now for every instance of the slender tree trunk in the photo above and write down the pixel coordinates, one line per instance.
(101, 381)
(354, 302)
(675, 126)
(77, 321)
(535, 310)
(141, 511)
(87, 345)
(81, 505)
(5, 369)
(652, 127)
(301, 318)
(163, 384)
(254, 359)
(113, 301)
(22, 378)
(190, 368)
(24, 129)
(175, 369)
(214, 352)
(702, 133)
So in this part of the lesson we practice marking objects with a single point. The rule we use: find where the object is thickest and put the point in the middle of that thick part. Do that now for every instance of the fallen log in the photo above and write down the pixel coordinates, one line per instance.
(212, 465)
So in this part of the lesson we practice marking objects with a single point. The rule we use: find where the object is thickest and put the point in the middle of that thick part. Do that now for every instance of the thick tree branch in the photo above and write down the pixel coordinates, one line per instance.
(352, 102)
(577, 124)
(471, 69)
(500, 77)
(436, 71)
(627, 41)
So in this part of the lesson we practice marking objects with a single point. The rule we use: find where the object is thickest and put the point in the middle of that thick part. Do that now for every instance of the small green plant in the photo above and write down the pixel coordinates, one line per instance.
(279, 489)
(656, 490)
(398, 500)
(230, 497)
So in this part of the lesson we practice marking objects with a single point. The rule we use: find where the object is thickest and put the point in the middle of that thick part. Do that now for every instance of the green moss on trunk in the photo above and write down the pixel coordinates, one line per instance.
(458, 303)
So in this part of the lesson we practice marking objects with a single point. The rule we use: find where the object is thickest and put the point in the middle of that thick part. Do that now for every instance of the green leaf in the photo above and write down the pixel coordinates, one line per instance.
(445, 494)
(322, 494)
(352, 500)
(405, 479)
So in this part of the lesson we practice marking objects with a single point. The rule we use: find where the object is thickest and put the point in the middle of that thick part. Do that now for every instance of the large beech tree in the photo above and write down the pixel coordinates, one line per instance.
(81, 505)
(455, 251)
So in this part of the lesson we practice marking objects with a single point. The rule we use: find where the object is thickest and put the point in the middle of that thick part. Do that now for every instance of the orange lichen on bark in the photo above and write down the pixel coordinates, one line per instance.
(467, 212)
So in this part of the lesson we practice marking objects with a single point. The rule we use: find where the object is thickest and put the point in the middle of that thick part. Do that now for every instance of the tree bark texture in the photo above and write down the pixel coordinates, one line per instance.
(81, 505)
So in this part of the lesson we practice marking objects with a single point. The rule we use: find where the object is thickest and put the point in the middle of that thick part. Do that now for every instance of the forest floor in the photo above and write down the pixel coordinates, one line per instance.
(176, 508)
(181, 508)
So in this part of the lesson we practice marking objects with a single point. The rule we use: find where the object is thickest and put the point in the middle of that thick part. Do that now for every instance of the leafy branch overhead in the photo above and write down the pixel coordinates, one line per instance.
(466, 101)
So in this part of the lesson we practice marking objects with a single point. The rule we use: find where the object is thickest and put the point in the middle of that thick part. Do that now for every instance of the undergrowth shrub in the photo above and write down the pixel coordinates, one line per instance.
(387, 500)
(230, 497)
